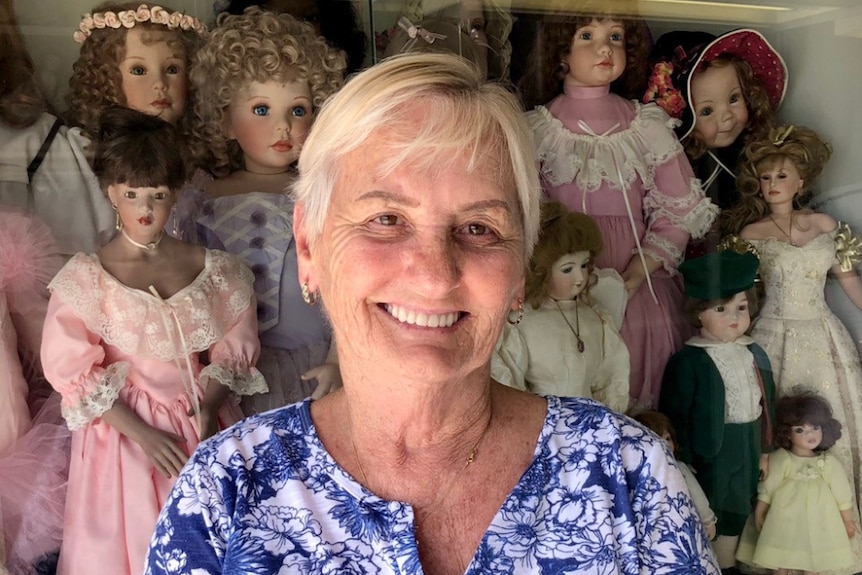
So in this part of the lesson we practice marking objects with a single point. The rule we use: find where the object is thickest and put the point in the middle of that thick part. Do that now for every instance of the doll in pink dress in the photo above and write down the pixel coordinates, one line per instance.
(619, 162)
(254, 107)
(123, 342)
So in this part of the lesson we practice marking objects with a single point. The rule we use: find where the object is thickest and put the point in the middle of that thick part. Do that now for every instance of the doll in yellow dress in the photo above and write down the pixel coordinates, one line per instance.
(804, 506)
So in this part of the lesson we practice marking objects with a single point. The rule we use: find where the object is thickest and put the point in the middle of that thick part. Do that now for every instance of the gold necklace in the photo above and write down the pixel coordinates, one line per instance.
(575, 330)
(787, 235)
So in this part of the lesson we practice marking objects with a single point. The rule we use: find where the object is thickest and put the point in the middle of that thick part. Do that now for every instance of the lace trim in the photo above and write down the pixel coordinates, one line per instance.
(589, 160)
(663, 250)
(693, 213)
(132, 320)
(242, 380)
(98, 401)
(848, 247)
(735, 364)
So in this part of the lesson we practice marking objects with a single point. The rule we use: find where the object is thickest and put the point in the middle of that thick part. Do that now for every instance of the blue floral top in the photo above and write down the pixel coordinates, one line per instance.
(602, 496)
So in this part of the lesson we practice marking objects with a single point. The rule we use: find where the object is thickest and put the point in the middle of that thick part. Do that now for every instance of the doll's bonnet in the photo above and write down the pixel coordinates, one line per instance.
(677, 55)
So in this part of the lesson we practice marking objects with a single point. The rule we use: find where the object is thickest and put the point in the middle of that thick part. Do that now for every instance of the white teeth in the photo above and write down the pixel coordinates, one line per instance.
(422, 319)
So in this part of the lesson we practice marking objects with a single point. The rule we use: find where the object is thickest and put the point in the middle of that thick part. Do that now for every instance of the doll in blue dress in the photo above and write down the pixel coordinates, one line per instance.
(259, 80)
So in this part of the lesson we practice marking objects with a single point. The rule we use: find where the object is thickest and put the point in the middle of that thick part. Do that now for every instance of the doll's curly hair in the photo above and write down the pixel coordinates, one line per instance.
(802, 146)
(761, 116)
(545, 81)
(562, 232)
(256, 46)
(22, 100)
(96, 83)
(801, 409)
(658, 423)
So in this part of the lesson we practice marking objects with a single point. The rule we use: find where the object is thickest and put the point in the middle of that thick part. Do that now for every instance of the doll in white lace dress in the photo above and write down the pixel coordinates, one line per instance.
(807, 344)
(122, 343)
(620, 162)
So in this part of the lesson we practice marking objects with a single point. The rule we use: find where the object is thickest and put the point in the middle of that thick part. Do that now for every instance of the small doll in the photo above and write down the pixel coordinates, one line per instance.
(122, 343)
(724, 91)
(718, 391)
(659, 424)
(804, 518)
(620, 162)
(133, 55)
(562, 345)
(259, 80)
(798, 247)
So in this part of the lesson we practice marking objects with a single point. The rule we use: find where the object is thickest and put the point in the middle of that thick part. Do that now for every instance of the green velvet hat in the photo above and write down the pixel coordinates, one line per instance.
(719, 275)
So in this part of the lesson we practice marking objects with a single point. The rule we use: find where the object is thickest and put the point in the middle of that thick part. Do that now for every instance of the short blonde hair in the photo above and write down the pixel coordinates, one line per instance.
(465, 114)
(256, 46)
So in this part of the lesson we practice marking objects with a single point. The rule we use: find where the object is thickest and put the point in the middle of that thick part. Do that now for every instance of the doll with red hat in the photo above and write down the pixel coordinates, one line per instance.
(724, 91)
(718, 391)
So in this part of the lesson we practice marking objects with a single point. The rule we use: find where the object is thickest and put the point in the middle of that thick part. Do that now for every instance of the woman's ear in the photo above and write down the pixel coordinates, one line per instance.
(303, 248)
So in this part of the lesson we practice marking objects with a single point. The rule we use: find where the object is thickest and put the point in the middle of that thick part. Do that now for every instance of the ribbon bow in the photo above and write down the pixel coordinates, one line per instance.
(783, 134)
(414, 31)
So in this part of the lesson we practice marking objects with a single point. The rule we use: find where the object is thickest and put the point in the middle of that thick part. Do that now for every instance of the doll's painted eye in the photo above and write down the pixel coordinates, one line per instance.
(130, 194)
(734, 98)
(566, 270)
(617, 37)
(174, 69)
(585, 35)
(719, 308)
(160, 196)
(260, 110)
(706, 111)
(137, 71)
(298, 111)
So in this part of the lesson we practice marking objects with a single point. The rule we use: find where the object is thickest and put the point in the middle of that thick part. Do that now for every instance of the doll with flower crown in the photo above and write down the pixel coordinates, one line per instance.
(259, 79)
(147, 341)
(724, 90)
(619, 162)
(133, 55)
(565, 344)
(719, 393)
(807, 344)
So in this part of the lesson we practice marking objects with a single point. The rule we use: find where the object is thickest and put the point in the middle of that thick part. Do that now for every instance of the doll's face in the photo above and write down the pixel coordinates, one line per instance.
(154, 74)
(805, 438)
(598, 54)
(569, 276)
(779, 183)
(144, 211)
(726, 322)
(720, 111)
(270, 121)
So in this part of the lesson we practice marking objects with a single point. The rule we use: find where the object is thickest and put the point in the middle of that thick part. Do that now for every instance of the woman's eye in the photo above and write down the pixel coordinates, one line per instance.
(260, 110)
(387, 220)
(137, 71)
(477, 229)
(298, 111)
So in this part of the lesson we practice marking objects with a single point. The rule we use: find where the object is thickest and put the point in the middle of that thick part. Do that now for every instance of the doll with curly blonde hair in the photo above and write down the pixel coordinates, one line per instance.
(565, 343)
(259, 80)
(806, 343)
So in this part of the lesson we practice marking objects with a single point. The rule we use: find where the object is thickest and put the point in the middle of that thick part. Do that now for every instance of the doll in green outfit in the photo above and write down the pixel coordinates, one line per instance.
(719, 393)
(803, 519)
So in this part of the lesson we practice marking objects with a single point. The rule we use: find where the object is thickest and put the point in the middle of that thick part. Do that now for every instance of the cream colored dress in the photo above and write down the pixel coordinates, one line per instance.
(808, 345)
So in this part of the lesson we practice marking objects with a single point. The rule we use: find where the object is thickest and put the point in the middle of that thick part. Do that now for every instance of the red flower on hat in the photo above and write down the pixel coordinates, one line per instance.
(662, 92)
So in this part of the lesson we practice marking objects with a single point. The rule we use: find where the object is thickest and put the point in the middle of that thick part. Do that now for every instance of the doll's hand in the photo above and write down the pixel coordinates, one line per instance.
(209, 421)
(850, 528)
(763, 465)
(710, 531)
(633, 277)
(760, 510)
(163, 448)
(328, 379)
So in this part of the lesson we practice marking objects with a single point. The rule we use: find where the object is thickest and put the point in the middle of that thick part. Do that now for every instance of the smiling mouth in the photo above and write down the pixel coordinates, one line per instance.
(422, 319)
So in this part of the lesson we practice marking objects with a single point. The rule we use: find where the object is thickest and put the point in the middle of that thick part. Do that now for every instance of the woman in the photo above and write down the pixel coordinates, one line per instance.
(416, 211)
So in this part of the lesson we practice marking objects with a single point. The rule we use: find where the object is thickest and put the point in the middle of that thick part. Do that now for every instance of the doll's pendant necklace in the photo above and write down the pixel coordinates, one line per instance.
(575, 330)
(786, 234)
(150, 247)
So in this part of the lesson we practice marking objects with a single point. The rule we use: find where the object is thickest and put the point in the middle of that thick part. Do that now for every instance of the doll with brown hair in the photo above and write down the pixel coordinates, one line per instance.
(122, 344)
(724, 90)
(804, 518)
(563, 345)
(260, 78)
(620, 162)
(719, 393)
(660, 424)
(807, 344)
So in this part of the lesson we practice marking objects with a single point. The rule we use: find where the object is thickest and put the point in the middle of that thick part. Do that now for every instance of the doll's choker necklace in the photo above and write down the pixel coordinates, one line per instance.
(150, 247)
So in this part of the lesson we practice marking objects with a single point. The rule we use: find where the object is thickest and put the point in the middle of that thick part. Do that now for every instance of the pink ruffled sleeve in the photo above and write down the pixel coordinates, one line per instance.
(74, 363)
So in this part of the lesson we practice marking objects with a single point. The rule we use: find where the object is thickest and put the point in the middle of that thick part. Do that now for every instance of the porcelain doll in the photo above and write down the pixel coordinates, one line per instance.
(725, 91)
(718, 391)
(122, 342)
(563, 345)
(659, 424)
(807, 344)
(803, 519)
(253, 111)
(620, 162)
(44, 165)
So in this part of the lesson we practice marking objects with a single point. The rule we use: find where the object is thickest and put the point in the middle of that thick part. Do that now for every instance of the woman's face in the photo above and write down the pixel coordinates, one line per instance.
(598, 54)
(726, 322)
(153, 74)
(569, 275)
(417, 270)
(720, 111)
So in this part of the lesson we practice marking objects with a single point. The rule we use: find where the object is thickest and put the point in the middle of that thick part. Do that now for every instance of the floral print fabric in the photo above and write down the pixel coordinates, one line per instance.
(602, 496)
